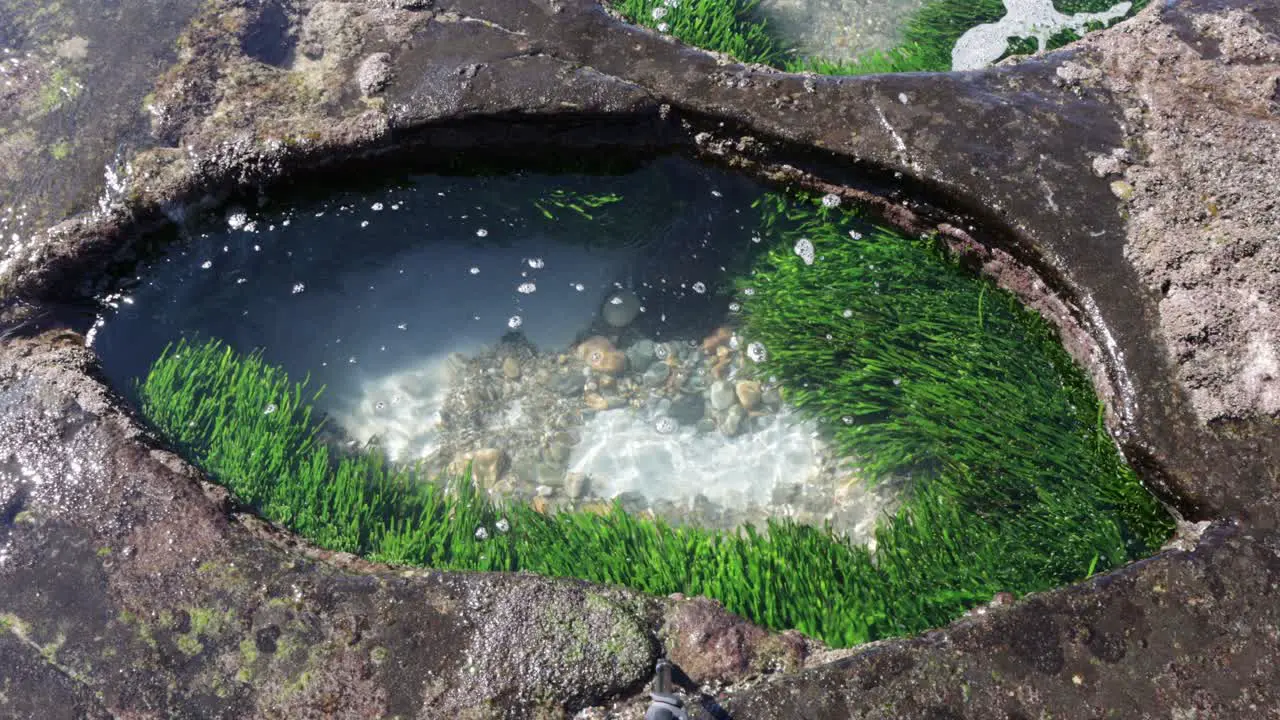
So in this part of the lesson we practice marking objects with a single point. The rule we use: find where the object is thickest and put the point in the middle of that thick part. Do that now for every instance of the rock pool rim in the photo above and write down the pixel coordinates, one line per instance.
(93, 249)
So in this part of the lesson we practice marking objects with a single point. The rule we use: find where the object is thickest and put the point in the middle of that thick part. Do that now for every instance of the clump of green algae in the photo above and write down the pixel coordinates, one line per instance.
(1017, 485)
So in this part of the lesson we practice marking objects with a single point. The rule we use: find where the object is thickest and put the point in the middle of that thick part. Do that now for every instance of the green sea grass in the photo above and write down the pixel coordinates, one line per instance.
(920, 369)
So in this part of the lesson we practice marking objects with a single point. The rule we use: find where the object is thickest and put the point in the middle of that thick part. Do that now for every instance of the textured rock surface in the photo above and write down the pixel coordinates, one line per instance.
(129, 587)
(1205, 211)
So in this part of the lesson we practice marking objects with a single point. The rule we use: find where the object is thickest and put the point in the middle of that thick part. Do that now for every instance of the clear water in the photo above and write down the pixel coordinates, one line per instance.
(573, 335)
(839, 29)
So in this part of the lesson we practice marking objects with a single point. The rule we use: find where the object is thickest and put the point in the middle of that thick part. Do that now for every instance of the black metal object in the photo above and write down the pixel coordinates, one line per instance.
(666, 705)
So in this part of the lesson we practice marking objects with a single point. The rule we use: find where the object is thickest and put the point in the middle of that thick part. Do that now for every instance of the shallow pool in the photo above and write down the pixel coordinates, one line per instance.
(572, 339)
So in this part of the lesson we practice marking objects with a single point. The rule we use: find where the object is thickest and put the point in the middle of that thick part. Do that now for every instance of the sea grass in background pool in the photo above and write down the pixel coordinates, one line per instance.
(1016, 487)
(734, 27)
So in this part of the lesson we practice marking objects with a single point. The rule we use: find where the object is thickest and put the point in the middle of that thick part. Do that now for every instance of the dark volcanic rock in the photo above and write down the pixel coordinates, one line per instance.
(1124, 188)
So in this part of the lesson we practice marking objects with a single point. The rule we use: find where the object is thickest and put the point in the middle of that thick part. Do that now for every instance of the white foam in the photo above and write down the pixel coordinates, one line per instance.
(982, 45)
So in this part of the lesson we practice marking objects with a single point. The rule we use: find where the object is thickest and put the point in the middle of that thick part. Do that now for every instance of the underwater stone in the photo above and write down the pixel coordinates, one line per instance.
(716, 339)
(698, 382)
(610, 362)
(511, 369)
(656, 374)
(596, 401)
(687, 409)
(640, 355)
(551, 474)
(722, 395)
(633, 501)
(567, 384)
(487, 465)
(621, 308)
(593, 344)
(785, 494)
(772, 397)
(575, 485)
(732, 421)
(456, 367)
(557, 452)
(749, 394)
(600, 355)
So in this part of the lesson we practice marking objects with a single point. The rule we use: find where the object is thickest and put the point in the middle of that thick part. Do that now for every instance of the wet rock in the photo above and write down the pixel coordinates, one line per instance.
(904, 680)
(705, 512)
(511, 369)
(1104, 165)
(549, 473)
(1122, 190)
(749, 394)
(593, 344)
(640, 355)
(609, 362)
(596, 401)
(785, 494)
(771, 397)
(601, 356)
(557, 452)
(731, 423)
(722, 395)
(487, 465)
(656, 375)
(687, 409)
(566, 384)
(576, 485)
(632, 501)
(374, 73)
(697, 382)
(456, 367)
(717, 340)
(713, 645)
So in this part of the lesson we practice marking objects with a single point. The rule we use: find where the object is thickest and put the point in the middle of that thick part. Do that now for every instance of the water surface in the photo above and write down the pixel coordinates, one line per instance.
(572, 336)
